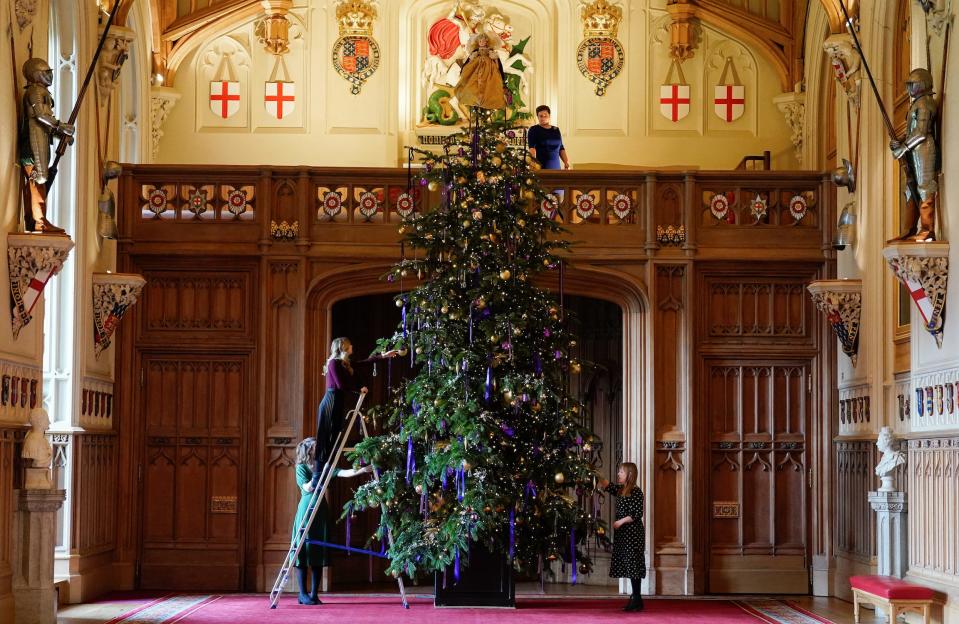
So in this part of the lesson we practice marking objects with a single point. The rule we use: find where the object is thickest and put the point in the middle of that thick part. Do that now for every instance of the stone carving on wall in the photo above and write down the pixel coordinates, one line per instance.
(923, 268)
(793, 106)
(447, 39)
(845, 63)
(32, 261)
(841, 302)
(116, 50)
(600, 56)
(25, 11)
(356, 55)
(113, 294)
(162, 101)
(890, 460)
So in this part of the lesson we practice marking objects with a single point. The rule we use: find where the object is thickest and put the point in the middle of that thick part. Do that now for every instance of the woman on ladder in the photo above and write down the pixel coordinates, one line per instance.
(313, 556)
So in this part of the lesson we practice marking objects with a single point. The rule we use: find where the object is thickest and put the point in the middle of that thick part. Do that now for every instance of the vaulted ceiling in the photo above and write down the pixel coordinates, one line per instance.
(775, 28)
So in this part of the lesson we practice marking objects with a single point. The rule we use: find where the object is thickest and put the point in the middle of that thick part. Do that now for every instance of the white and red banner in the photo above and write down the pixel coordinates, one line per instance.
(729, 102)
(674, 97)
(224, 98)
(280, 98)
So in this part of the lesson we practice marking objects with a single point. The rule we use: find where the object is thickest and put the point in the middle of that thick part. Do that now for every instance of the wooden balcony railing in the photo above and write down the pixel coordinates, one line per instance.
(621, 212)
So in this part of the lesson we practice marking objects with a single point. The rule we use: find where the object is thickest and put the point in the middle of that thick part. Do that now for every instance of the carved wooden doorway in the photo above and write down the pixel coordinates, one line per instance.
(192, 496)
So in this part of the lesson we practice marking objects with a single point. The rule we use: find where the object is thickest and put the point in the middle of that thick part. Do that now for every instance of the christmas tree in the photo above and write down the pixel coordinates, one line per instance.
(484, 444)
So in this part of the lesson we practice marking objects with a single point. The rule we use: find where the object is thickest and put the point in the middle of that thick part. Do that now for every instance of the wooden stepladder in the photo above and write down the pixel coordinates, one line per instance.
(301, 531)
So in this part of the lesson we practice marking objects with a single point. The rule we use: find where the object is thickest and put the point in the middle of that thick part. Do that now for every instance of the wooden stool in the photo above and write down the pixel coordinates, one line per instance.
(892, 595)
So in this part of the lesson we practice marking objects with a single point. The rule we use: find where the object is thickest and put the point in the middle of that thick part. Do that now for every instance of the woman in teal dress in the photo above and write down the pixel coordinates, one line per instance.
(311, 556)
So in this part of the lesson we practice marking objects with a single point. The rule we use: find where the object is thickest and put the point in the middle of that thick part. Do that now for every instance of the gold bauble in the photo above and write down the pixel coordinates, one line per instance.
(466, 223)
(537, 407)
(572, 343)
(480, 177)
(496, 161)
(432, 185)
(600, 531)
(520, 222)
(517, 331)
(559, 477)
(508, 395)
(399, 303)
(404, 351)
(505, 274)
(477, 214)
(494, 338)
(528, 194)
(500, 147)
(419, 350)
(575, 367)
(444, 309)
(403, 273)
(461, 180)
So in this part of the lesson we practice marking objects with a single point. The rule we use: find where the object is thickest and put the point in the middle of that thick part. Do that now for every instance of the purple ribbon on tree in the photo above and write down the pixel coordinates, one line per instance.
(572, 551)
(409, 458)
(512, 532)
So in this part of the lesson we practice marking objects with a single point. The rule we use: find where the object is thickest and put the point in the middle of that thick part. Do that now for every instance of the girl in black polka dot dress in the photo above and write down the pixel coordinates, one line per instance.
(629, 537)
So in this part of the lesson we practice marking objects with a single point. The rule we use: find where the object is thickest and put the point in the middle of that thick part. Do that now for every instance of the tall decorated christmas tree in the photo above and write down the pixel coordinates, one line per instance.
(483, 446)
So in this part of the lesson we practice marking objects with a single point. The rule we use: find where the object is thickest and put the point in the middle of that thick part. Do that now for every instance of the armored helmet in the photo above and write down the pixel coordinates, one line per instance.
(922, 79)
(37, 70)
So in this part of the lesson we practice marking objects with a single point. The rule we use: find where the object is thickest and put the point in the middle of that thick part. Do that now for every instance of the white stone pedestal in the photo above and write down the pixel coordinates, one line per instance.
(891, 527)
(34, 541)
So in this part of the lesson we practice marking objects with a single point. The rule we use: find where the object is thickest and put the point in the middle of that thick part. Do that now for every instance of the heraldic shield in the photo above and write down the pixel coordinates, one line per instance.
(674, 101)
(224, 98)
(280, 98)
(600, 60)
(356, 59)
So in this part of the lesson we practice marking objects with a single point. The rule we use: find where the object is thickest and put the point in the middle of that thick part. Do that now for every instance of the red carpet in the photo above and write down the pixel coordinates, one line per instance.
(254, 609)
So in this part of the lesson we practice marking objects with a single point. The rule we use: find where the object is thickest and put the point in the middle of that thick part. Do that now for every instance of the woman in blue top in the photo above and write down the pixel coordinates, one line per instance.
(546, 142)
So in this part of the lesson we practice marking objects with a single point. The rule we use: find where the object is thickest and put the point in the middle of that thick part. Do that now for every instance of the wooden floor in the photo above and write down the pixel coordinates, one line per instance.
(832, 609)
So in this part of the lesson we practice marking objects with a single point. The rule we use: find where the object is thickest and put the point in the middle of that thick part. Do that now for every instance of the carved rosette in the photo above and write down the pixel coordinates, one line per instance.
(923, 268)
(162, 101)
(841, 302)
(32, 260)
(793, 107)
(113, 294)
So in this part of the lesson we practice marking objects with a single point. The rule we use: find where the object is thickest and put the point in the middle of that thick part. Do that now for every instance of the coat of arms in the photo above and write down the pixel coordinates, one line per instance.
(356, 55)
(600, 56)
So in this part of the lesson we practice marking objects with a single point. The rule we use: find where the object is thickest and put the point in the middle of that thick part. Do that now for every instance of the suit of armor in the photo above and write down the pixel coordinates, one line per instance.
(920, 146)
(38, 126)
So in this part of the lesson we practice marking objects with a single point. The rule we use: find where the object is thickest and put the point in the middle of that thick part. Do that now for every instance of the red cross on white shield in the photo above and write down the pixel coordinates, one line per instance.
(674, 101)
(730, 102)
(224, 98)
(280, 98)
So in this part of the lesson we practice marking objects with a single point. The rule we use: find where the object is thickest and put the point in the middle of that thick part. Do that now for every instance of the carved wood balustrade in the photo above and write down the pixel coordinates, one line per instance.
(610, 214)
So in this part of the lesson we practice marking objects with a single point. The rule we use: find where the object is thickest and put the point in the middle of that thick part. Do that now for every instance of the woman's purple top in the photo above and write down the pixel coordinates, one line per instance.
(338, 377)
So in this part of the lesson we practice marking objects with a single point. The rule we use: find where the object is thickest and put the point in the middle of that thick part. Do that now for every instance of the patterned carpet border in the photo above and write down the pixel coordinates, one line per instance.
(165, 609)
(780, 612)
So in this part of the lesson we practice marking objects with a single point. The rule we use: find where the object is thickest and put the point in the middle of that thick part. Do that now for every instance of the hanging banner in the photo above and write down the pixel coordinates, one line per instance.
(674, 96)
(729, 102)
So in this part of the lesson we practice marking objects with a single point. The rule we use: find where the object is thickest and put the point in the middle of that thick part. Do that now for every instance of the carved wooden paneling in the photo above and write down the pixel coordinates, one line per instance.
(855, 521)
(284, 367)
(93, 493)
(8, 449)
(192, 302)
(758, 415)
(933, 469)
(669, 369)
(195, 410)
(760, 308)
(96, 405)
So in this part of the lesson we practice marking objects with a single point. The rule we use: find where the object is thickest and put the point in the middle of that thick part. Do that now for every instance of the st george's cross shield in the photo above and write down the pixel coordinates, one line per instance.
(674, 101)
(730, 101)
(224, 98)
(280, 98)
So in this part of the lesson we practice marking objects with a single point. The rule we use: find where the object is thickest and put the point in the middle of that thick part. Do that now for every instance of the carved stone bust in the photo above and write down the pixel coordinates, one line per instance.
(891, 458)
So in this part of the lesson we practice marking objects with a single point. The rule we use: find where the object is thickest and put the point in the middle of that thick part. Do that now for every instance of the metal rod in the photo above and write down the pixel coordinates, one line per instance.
(62, 145)
(882, 108)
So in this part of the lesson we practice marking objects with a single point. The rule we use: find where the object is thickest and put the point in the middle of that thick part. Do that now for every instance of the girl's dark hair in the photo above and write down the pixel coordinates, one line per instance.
(306, 451)
(543, 107)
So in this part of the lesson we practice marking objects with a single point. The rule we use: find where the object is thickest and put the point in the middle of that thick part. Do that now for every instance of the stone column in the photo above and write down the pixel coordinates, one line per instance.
(35, 599)
(891, 532)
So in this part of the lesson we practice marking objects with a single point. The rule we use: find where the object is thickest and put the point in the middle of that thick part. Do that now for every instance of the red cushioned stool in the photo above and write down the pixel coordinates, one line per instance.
(892, 595)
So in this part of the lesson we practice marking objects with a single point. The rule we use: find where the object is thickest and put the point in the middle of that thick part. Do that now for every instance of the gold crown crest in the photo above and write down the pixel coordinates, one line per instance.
(355, 17)
(601, 19)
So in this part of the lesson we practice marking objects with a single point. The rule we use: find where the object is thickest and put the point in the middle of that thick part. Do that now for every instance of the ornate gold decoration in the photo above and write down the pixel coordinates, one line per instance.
(355, 17)
(32, 260)
(671, 234)
(356, 55)
(841, 302)
(284, 231)
(601, 19)
(682, 30)
(600, 56)
(113, 294)
(923, 268)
